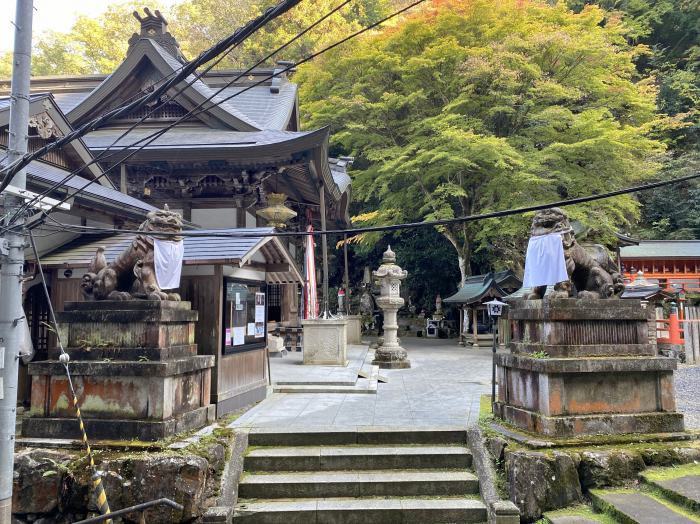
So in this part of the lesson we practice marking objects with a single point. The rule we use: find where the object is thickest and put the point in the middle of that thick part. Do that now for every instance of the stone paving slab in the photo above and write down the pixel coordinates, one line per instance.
(641, 508)
(441, 389)
(290, 369)
(366, 511)
(571, 519)
(687, 487)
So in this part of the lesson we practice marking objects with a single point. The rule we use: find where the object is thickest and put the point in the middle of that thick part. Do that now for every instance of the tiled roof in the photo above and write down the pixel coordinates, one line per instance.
(340, 174)
(48, 174)
(80, 251)
(269, 110)
(201, 87)
(662, 249)
(184, 137)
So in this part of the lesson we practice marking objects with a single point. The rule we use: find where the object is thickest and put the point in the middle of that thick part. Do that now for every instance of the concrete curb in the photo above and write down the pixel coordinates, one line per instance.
(222, 512)
(499, 511)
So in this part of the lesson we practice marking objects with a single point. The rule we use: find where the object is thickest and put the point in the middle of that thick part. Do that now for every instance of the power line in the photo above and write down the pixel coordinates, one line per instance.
(238, 36)
(242, 233)
(196, 111)
(189, 114)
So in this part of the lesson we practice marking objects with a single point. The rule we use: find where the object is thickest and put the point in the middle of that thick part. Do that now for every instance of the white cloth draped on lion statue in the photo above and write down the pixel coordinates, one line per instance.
(590, 272)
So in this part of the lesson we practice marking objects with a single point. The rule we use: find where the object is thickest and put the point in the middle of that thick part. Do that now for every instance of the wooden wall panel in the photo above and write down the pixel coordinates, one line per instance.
(241, 372)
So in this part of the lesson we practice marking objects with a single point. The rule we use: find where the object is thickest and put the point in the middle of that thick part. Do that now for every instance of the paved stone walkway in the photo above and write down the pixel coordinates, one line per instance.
(442, 388)
(687, 380)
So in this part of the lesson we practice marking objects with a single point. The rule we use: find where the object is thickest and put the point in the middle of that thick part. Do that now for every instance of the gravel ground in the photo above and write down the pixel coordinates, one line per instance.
(687, 380)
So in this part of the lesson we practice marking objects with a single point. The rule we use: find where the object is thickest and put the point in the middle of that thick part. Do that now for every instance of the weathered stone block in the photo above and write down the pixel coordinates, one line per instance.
(325, 342)
(37, 479)
(538, 482)
(354, 329)
(599, 372)
(133, 365)
(609, 467)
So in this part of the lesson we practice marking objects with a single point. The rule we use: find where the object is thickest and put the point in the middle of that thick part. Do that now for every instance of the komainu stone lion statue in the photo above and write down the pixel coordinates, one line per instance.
(132, 275)
(592, 273)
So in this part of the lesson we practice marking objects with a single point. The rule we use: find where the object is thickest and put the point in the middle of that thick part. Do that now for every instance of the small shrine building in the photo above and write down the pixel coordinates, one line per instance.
(216, 168)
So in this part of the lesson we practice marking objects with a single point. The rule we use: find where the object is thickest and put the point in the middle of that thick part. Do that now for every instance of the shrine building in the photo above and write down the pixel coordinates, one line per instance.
(218, 168)
(675, 264)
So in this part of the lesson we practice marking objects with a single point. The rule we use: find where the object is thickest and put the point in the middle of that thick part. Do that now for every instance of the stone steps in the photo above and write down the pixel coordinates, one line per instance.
(637, 507)
(359, 475)
(684, 490)
(365, 511)
(362, 435)
(363, 483)
(325, 458)
(367, 385)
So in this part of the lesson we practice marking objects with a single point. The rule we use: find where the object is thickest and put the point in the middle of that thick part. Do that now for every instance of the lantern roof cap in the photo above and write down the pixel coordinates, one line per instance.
(389, 256)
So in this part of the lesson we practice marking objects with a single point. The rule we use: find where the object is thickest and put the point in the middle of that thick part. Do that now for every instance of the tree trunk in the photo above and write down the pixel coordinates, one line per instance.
(463, 254)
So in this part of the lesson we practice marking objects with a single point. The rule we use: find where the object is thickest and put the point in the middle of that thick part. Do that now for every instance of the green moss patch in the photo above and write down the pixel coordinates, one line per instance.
(578, 511)
(672, 472)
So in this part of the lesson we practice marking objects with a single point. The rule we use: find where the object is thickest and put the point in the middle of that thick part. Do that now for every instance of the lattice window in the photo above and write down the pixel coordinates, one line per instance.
(274, 295)
(167, 111)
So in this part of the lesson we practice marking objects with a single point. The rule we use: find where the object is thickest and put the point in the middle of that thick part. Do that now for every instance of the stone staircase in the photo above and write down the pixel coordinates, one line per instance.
(358, 476)
(664, 496)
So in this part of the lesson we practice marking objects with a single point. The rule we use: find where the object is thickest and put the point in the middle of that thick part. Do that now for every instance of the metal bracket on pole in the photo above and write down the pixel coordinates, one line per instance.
(4, 247)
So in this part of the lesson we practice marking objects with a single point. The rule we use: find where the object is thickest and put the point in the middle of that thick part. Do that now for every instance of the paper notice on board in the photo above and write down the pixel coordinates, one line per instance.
(259, 330)
(228, 337)
(238, 336)
(251, 329)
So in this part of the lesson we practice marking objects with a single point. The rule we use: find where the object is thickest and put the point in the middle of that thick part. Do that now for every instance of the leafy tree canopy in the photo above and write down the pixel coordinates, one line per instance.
(98, 45)
(474, 106)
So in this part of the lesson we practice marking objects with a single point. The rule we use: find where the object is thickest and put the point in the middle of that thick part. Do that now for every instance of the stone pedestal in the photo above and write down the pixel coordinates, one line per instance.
(325, 342)
(354, 329)
(583, 367)
(390, 355)
(135, 369)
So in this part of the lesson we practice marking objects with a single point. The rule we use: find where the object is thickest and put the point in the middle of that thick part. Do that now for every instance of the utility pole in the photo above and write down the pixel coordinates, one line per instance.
(12, 319)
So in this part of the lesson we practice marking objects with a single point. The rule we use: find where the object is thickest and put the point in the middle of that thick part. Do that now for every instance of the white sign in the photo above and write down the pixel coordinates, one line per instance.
(238, 336)
(2, 357)
(44, 203)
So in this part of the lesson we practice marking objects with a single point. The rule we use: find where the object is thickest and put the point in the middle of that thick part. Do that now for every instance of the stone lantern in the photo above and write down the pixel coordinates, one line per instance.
(389, 276)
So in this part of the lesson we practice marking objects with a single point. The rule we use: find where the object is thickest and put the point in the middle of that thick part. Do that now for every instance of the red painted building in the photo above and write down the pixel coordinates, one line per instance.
(674, 263)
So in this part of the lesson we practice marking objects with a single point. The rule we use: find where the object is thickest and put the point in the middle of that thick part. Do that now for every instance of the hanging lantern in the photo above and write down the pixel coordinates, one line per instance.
(276, 213)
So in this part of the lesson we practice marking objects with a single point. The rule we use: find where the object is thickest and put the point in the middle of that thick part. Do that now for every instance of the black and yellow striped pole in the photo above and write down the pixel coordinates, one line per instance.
(98, 486)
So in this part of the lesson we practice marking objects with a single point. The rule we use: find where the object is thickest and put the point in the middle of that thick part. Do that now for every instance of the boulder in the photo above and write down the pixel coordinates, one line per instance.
(538, 482)
(496, 446)
(147, 477)
(609, 467)
(37, 478)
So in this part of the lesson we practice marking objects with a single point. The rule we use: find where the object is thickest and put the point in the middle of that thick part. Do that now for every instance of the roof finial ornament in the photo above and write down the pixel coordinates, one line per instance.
(154, 27)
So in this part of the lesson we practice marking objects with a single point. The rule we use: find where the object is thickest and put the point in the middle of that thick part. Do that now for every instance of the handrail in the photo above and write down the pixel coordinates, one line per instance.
(132, 509)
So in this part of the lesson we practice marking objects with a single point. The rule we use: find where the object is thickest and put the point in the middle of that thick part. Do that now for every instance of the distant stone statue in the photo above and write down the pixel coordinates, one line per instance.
(591, 271)
(132, 275)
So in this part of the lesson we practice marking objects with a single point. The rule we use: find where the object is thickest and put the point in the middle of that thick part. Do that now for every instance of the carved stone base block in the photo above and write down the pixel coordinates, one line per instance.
(135, 369)
(325, 342)
(582, 367)
(391, 358)
(354, 329)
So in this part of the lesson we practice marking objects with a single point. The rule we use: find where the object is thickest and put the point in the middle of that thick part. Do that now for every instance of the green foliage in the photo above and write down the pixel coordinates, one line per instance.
(670, 29)
(98, 45)
(475, 106)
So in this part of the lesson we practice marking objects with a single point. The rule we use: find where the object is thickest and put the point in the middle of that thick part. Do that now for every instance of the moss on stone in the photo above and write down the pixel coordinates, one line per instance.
(581, 510)
(673, 472)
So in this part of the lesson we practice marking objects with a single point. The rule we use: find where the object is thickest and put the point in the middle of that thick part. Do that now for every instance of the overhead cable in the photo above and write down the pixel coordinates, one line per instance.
(189, 68)
(190, 113)
(196, 111)
(243, 233)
